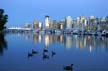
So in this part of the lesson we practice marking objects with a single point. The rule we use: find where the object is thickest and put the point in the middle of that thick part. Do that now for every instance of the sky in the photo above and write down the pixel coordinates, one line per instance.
(23, 11)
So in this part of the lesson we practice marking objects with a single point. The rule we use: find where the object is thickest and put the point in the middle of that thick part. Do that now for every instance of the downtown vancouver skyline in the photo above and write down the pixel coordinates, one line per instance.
(21, 12)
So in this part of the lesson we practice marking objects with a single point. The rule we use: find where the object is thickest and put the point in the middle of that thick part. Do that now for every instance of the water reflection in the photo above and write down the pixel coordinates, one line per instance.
(81, 42)
(3, 43)
(40, 38)
(68, 41)
(47, 40)
(41, 52)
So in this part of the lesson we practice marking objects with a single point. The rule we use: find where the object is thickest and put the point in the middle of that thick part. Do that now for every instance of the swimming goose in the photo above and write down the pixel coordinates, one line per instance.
(45, 50)
(53, 53)
(45, 56)
(34, 52)
(68, 67)
(30, 54)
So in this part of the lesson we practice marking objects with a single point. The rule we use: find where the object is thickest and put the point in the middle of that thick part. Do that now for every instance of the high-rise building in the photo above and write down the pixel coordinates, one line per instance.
(76, 23)
(92, 25)
(82, 18)
(77, 20)
(61, 25)
(47, 22)
(68, 21)
(55, 24)
(40, 25)
(91, 17)
(51, 25)
(91, 20)
(83, 23)
(35, 24)
(103, 20)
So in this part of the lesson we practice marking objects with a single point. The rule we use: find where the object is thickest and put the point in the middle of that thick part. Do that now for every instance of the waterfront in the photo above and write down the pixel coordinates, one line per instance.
(54, 35)
(86, 53)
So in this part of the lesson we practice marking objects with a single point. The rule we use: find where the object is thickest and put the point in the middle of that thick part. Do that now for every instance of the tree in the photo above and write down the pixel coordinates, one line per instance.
(3, 43)
(3, 19)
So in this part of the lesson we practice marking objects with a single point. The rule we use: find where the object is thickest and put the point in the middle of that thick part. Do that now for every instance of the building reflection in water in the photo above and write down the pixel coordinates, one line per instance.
(40, 38)
(55, 38)
(28, 36)
(84, 42)
(46, 40)
(80, 42)
(76, 41)
(50, 38)
(35, 38)
(61, 38)
(90, 48)
(68, 41)
(3, 43)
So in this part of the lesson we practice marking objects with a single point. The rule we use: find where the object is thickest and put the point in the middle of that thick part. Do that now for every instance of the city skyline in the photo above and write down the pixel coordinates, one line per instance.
(21, 12)
(54, 35)
(80, 23)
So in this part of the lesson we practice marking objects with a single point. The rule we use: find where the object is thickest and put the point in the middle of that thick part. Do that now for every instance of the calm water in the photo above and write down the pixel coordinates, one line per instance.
(87, 53)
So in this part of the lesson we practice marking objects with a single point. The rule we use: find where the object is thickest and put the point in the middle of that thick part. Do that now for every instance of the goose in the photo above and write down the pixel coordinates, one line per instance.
(45, 56)
(68, 67)
(30, 54)
(34, 52)
(53, 53)
(45, 50)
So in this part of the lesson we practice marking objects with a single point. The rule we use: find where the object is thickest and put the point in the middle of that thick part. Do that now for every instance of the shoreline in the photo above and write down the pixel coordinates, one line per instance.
(58, 32)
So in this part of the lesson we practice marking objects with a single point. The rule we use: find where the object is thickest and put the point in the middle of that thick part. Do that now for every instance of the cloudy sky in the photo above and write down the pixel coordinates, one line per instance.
(22, 11)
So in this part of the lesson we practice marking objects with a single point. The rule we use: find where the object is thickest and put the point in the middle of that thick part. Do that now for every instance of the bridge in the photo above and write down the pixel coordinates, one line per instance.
(18, 30)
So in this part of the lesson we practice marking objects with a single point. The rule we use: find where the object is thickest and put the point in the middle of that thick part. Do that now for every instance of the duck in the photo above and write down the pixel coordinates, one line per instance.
(68, 67)
(45, 56)
(53, 53)
(34, 52)
(30, 54)
(45, 50)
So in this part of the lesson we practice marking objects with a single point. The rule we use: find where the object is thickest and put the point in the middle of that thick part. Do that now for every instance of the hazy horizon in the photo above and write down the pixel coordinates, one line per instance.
(22, 11)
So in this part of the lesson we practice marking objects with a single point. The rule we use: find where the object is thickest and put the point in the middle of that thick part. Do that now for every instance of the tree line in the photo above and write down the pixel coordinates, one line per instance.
(3, 19)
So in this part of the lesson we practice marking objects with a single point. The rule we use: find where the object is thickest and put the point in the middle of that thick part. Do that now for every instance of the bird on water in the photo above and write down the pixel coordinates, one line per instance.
(34, 52)
(53, 53)
(68, 67)
(45, 50)
(30, 54)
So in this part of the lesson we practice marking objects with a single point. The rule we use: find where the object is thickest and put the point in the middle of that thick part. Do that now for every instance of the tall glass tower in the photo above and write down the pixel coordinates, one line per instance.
(47, 22)
(68, 21)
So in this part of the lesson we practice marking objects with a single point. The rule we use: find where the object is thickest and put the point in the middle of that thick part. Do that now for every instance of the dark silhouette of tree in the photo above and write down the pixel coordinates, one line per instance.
(3, 19)
(3, 43)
